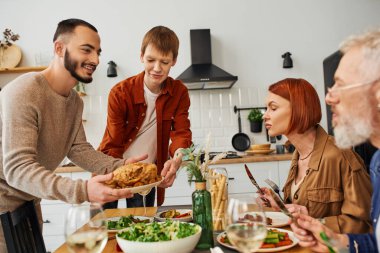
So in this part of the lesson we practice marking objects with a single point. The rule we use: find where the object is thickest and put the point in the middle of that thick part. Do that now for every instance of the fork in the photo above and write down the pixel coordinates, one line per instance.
(274, 187)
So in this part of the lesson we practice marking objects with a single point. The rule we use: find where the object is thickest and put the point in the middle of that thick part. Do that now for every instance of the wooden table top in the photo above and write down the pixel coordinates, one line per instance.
(151, 211)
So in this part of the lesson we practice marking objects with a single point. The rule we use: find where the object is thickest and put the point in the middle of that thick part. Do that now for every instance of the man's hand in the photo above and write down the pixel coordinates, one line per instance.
(136, 159)
(294, 208)
(98, 192)
(170, 170)
(308, 230)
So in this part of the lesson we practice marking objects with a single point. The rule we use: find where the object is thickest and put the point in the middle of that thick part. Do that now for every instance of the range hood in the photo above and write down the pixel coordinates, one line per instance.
(202, 74)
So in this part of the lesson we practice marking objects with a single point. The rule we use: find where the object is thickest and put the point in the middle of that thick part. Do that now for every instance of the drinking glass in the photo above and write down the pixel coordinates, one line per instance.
(86, 228)
(246, 222)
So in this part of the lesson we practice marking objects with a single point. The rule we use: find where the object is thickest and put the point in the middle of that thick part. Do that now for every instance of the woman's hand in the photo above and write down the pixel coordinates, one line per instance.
(267, 200)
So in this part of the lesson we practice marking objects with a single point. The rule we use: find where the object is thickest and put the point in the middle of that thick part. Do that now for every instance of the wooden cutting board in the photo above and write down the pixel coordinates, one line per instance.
(10, 57)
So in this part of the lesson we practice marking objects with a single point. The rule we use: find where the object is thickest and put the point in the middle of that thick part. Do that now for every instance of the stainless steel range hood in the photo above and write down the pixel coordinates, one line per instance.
(202, 74)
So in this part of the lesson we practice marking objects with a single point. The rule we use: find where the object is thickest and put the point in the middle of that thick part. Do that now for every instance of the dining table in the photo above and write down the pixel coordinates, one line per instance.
(151, 212)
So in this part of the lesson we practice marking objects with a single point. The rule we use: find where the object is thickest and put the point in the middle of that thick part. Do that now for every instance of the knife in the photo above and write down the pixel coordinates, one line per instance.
(281, 204)
(253, 180)
(266, 201)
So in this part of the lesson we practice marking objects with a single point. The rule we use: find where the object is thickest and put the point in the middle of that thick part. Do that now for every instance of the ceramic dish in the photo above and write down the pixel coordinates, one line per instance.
(182, 245)
(259, 152)
(260, 146)
(134, 216)
(144, 189)
(278, 219)
(181, 211)
(291, 236)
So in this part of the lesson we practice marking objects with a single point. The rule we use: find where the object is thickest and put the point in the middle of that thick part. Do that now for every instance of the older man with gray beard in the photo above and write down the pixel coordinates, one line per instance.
(355, 104)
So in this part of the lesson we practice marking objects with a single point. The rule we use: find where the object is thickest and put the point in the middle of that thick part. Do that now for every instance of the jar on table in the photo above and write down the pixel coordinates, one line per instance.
(217, 182)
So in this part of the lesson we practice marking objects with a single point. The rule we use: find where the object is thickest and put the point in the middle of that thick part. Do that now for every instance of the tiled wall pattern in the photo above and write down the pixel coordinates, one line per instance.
(210, 111)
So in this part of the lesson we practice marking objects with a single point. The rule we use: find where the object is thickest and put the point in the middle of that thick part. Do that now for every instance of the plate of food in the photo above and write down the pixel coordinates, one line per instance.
(137, 177)
(277, 240)
(114, 224)
(184, 215)
(273, 219)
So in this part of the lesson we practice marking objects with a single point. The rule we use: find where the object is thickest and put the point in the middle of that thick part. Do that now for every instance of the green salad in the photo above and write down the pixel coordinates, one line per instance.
(124, 222)
(158, 231)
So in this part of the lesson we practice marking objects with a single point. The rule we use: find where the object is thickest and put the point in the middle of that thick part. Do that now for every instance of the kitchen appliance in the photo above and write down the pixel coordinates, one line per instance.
(230, 155)
(202, 74)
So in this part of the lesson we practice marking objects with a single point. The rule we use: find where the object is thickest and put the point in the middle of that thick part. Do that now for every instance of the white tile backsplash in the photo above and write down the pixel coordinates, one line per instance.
(210, 111)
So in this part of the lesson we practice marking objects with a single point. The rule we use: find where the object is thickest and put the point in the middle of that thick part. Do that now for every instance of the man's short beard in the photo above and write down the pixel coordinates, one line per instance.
(352, 132)
(71, 65)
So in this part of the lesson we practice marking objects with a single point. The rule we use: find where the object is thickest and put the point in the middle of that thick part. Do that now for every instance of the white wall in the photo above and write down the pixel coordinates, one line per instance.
(248, 39)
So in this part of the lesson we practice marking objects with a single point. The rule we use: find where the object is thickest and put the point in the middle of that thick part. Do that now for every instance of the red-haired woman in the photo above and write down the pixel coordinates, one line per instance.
(324, 181)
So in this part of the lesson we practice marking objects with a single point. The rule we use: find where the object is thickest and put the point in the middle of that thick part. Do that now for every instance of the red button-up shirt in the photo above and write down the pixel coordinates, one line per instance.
(126, 113)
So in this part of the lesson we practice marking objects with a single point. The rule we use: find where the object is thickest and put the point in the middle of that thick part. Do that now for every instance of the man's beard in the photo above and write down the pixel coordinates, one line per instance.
(352, 131)
(71, 65)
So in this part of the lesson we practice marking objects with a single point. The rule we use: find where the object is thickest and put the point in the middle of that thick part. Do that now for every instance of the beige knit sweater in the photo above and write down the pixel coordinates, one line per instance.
(39, 128)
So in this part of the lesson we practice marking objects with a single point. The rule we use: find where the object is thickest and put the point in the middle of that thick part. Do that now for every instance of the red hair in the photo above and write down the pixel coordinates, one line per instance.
(304, 102)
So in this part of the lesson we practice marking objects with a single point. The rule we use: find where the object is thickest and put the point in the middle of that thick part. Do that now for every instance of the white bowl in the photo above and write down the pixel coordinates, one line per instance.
(183, 245)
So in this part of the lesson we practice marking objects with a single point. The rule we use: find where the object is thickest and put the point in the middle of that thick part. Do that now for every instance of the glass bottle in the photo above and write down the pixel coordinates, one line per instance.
(217, 185)
(202, 215)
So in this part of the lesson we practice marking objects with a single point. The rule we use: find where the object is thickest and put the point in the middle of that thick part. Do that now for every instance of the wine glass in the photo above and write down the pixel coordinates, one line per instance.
(86, 228)
(246, 222)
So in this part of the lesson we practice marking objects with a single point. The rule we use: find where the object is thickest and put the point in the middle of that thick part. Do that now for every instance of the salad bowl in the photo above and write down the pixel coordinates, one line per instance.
(168, 231)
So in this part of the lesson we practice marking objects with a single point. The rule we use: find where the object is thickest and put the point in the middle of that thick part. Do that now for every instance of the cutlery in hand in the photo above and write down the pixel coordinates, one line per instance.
(274, 186)
(267, 203)
(281, 204)
(253, 179)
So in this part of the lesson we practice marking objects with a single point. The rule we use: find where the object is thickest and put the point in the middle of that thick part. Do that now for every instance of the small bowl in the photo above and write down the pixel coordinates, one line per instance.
(260, 146)
(183, 245)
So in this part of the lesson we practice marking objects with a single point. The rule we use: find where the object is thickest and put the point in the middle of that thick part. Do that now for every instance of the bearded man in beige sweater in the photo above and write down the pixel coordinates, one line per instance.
(41, 124)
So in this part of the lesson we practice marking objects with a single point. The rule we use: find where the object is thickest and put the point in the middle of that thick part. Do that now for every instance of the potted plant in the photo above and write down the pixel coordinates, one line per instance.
(255, 117)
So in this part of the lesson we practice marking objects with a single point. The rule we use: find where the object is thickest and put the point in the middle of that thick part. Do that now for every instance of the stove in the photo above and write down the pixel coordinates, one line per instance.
(230, 155)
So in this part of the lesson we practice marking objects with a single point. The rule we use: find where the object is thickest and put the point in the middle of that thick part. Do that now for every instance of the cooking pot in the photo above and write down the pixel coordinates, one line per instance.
(240, 141)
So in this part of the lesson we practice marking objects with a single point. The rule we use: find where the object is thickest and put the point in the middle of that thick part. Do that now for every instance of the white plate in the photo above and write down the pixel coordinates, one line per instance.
(145, 189)
(291, 236)
(134, 216)
(181, 211)
(278, 219)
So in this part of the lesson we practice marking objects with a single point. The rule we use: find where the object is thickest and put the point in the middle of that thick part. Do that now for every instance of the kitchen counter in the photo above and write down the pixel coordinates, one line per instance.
(244, 159)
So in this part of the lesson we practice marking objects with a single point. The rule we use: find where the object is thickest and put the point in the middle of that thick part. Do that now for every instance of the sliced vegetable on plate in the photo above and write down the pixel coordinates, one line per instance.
(121, 222)
(276, 240)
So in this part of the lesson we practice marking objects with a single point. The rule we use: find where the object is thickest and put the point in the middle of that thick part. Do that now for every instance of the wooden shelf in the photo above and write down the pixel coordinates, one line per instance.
(21, 69)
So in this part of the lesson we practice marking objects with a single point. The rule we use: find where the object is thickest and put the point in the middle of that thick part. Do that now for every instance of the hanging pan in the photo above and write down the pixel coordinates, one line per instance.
(240, 141)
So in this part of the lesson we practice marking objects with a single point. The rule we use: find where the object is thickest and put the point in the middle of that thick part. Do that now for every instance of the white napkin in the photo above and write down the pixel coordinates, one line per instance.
(216, 250)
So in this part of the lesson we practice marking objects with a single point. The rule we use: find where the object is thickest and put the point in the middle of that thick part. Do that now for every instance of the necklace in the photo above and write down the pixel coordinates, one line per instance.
(301, 159)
